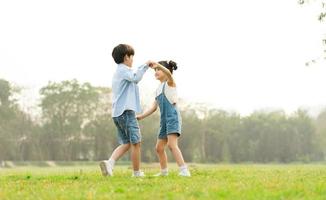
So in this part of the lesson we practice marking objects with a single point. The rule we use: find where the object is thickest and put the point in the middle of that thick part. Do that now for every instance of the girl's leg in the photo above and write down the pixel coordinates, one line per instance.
(173, 146)
(160, 150)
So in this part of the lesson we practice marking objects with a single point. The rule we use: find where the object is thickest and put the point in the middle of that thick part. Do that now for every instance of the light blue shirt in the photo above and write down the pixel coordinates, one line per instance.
(125, 90)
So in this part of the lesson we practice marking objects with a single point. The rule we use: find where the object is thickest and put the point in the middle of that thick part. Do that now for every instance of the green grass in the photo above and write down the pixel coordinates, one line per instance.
(207, 182)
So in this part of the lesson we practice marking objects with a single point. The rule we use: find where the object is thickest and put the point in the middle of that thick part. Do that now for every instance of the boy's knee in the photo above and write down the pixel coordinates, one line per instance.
(128, 146)
(137, 145)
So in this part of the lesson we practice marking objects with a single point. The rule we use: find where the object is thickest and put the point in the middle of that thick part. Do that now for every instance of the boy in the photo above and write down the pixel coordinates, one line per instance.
(124, 106)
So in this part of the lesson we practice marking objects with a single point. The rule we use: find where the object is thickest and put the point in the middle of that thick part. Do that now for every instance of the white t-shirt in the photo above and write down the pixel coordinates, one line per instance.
(170, 92)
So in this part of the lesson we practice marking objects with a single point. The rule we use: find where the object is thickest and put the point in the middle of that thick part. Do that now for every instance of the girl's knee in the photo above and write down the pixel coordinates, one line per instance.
(172, 145)
(159, 148)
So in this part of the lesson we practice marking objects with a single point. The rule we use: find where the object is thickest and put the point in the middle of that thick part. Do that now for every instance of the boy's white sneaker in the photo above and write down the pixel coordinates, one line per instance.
(139, 174)
(106, 168)
(185, 173)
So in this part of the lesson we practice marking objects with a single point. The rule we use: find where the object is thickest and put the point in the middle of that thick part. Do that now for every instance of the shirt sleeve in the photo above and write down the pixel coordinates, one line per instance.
(135, 76)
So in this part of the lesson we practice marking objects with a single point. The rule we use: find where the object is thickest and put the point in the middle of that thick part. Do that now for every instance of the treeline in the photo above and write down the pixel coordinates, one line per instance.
(76, 124)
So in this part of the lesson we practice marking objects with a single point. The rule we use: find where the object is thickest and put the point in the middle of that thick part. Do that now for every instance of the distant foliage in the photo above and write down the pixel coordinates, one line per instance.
(76, 124)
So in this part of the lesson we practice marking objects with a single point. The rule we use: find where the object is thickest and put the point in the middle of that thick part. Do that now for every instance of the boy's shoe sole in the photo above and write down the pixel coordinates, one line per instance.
(104, 169)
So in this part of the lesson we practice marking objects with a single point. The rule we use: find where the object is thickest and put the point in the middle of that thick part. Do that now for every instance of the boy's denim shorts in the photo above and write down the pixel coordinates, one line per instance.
(128, 128)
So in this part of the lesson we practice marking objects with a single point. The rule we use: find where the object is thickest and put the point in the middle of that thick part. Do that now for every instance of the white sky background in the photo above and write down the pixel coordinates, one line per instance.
(233, 54)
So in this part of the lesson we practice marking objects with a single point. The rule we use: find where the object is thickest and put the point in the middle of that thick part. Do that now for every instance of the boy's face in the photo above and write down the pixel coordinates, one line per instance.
(128, 60)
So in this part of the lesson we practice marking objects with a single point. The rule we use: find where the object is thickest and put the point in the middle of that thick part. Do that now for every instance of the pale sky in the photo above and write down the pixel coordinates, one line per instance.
(234, 55)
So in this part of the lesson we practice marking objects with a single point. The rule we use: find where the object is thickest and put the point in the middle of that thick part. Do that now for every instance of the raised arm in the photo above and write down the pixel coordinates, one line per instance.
(150, 111)
(167, 72)
(135, 77)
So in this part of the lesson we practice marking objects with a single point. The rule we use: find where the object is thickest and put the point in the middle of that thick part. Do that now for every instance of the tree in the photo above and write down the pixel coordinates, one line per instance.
(66, 108)
(321, 18)
(320, 125)
(100, 131)
(16, 127)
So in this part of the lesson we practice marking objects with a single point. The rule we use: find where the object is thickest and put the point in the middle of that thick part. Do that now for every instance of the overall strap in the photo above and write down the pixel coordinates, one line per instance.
(163, 89)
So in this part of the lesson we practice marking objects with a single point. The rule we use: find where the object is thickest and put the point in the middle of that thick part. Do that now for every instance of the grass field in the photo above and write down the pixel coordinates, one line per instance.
(207, 182)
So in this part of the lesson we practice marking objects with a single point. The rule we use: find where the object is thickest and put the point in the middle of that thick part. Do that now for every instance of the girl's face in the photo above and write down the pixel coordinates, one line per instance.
(159, 75)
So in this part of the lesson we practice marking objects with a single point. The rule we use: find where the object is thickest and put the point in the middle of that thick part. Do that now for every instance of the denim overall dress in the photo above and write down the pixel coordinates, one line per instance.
(170, 122)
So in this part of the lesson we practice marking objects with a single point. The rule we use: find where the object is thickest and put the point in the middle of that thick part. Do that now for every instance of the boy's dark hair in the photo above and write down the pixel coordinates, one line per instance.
(120, 51)
(170, 65)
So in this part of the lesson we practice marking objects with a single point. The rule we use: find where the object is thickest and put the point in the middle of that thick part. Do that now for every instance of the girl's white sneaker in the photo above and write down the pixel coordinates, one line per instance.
(161, 174)
(139, 174)
(185, 173)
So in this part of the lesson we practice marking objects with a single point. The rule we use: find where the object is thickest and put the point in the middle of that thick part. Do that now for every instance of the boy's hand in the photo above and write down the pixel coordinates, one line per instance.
(150, 63)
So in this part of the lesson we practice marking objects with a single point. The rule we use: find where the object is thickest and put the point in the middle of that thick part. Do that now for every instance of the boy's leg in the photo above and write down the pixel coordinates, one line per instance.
(119, 151)
(107, 165)
(135, 140)
(135, 156)
(160, 150)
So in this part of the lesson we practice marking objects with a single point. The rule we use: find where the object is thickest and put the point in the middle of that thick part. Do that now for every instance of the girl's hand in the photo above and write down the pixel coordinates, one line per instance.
(154, 65)
(139, 117)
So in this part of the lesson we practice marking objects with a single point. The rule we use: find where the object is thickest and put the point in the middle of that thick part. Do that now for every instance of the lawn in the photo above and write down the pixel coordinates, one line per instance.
(241, 182)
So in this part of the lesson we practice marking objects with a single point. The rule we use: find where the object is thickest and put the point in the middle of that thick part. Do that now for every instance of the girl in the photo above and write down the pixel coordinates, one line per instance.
(170, 123)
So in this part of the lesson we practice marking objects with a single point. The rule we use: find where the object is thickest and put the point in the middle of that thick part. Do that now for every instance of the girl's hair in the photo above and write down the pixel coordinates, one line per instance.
(169, 64)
